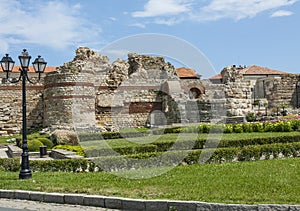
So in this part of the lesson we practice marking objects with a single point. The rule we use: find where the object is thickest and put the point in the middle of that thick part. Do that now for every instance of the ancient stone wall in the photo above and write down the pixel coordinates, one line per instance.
(11, 107)
(90, 92)
(69, 99)
(237, 92)
(283, 92)
(130, 91)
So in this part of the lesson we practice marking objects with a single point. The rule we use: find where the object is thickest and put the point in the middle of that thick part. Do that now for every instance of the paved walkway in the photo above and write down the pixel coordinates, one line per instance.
(3, 153)
(18, 205)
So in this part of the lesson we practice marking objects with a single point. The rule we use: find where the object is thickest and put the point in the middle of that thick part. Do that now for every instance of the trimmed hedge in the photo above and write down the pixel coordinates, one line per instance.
(10, 164)
(220, 155)
(64, 165)
(171, 158)
(280, 126)
(34, 145)
(191, 144)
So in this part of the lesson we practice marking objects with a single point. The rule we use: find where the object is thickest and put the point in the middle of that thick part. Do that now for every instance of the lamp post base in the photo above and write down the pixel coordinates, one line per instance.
(25, 174)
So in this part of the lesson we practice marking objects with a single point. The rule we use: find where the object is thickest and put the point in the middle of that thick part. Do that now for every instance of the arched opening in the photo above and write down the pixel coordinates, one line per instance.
(194, 93)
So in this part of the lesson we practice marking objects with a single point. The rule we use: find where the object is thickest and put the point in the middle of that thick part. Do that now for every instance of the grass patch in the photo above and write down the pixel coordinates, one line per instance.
(262, 182)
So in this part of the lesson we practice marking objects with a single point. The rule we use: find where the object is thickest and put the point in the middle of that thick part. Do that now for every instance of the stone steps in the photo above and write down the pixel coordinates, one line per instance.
(3, 153)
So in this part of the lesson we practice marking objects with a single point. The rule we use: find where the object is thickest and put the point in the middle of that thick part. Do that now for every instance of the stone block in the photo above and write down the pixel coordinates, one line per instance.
(113, 203)
(133, 205)
(74, 199)
(271, 207)
(182, 206)
(20, 194)
(96, 201)
(54, 198)
(233, 207)
(36, 196)
(154, 205)
(8, 194)
(294, 208)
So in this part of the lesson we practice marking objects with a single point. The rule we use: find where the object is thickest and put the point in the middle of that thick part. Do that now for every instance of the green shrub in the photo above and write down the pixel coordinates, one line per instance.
(64, 165)
(204, 128)
(34, 145)
(78, 149)
(247, 128)
(219, 155)
(258, 127)
(251, 117)
(47, 142)
(295, 124)
(237, 128)
(217, 128)
(10, 164)
(228, 128)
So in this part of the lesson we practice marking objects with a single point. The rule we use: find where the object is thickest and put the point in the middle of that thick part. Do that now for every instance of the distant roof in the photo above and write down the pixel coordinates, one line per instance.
(184, 72)
(219, 76)
(48, 69)
(257, 70)
(254, 70)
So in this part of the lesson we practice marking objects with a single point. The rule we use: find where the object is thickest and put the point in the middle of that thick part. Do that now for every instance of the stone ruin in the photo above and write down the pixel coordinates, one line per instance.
(92, 94)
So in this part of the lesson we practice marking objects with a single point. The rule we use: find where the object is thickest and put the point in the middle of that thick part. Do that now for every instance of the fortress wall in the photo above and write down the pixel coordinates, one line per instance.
(69, 100)
(283, 92)
(11, 107)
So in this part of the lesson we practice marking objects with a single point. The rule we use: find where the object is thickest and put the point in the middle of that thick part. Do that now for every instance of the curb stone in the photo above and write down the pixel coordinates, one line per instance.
(137, 204)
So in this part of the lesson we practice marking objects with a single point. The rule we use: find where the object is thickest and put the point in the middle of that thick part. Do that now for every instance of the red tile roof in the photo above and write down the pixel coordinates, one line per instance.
(254, 70)
(184, 72)
(48, 69)
(219, 76)
(257, 70)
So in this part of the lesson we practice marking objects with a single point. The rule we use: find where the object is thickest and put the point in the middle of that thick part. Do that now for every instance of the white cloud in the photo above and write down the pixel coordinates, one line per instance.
(238, 9)
(53, 24)
(168, 21)
(282, 13)
(176, 11)
(154, 8)
(139, 25)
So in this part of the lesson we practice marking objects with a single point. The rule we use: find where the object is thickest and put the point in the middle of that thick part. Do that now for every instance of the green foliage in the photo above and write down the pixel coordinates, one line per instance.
(78, 149)
(204, 128)
(258, 127)
(47, 142)
(10, 164)
(251, 117)
(34, 145)
(237, 128)
(219, 155)
(247, 128)
(228, 128)
(64, 165)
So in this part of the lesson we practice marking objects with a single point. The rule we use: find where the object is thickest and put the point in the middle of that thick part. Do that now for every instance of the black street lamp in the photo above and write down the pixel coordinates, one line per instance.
(39, 66)
(297, 93)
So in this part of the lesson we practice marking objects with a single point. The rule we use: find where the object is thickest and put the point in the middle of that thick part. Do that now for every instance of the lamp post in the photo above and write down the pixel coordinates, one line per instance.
(297, 93)
(39, 66)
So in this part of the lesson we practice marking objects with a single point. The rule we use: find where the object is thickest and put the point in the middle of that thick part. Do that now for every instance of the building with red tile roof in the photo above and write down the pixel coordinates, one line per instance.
(252, 72)
(187, 73)
(48, 69)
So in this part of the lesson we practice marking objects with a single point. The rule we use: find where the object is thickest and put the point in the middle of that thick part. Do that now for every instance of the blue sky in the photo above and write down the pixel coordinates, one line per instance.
(246, 32)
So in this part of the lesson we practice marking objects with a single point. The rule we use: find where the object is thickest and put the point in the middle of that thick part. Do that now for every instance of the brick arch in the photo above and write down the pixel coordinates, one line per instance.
(195, 91)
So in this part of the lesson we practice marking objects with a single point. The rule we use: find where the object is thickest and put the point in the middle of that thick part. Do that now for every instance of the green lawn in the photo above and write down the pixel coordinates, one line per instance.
(272, 181)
